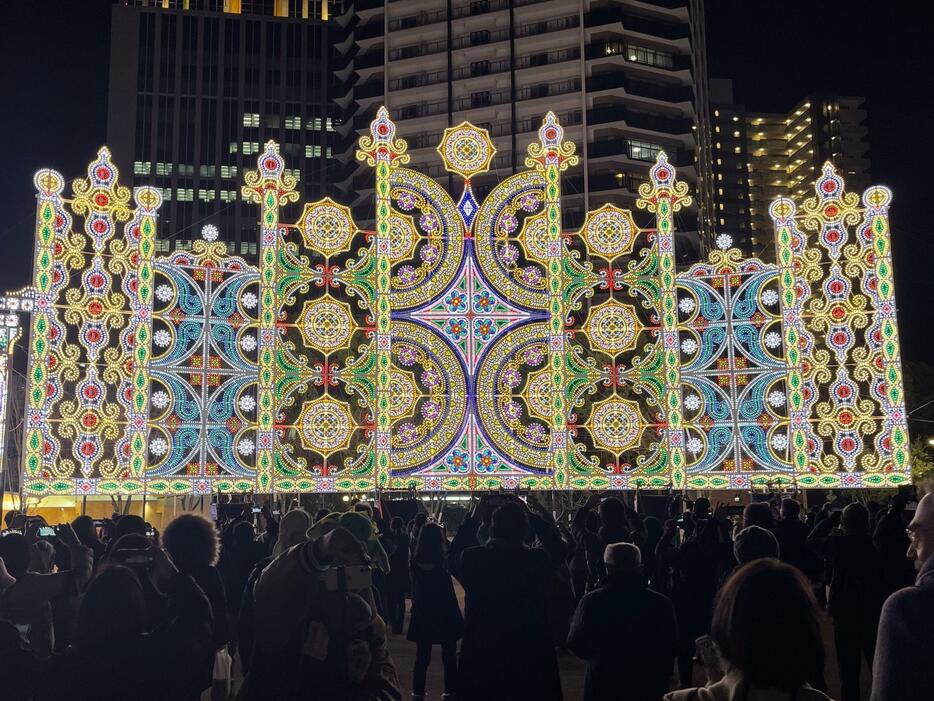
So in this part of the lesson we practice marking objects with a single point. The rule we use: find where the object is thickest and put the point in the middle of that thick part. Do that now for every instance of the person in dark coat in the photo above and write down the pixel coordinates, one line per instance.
(856, 590)
(194, 545)
(507, 653)
(436, 616)
(114, 656)
(613, 529)
(792, 535)
(627, 633)
(891, 541)
(902, 669)
(397, 581)
(695, 577)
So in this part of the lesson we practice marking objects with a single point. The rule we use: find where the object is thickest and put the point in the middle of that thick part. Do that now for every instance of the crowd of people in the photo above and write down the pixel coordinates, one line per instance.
(303, 606)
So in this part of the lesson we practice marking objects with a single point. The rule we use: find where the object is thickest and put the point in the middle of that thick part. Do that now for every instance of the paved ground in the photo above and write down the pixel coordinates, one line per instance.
(573, 670)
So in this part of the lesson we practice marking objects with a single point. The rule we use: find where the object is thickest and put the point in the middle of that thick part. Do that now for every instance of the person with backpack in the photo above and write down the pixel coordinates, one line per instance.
(318, 635)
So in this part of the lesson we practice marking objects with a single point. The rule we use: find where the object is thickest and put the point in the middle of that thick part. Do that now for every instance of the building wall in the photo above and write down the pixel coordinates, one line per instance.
(620, 75)
(783, 154)
(196, 90)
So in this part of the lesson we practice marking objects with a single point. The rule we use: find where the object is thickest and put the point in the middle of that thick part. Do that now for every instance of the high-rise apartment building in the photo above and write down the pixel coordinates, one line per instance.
(782, 153)
(729, 182)
(197, 87)
(626, 78)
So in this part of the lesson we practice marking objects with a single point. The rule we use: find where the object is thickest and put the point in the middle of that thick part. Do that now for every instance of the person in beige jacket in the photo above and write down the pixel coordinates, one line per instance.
(767, 630)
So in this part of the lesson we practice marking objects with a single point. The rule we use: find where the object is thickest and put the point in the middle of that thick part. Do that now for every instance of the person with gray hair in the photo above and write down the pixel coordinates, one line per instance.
(902, 669)
(626, 632)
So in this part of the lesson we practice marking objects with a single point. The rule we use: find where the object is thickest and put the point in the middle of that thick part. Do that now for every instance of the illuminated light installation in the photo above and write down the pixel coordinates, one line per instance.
(460, 345)
(11, 306)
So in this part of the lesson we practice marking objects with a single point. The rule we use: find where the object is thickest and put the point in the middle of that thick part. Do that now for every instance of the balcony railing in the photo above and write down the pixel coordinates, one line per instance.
(480, 68)
(641, 120)
(484, 36)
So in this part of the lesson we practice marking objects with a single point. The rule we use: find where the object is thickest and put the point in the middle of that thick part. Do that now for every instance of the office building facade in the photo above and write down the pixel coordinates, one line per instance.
(196, 88)
(624, 77)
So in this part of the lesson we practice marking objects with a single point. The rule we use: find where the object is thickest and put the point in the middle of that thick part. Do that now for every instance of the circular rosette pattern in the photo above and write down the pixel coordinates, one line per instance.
(513, 397)
(426, 239)
(428, 396)
(511, 245)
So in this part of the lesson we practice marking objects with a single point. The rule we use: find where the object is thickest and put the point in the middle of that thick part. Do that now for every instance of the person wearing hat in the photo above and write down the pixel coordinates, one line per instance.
(317, 632)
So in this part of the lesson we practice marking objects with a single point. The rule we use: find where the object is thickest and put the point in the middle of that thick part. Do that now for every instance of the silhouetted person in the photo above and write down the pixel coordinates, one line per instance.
(318, 635)
(87, 533)
(759, 513)
(292, 531)
(18, 667)
(695, 576)
(613, 529)
(903, 668)
(193, 543)
(855, 591)
(507, 653)
(792, 535)
(27, 599)
(626, 632)
(397, 581)
(115, 657)
(653, 534)
(239, 556)
(766, 660)
(891, 541)
(754, 543)
(436, 616)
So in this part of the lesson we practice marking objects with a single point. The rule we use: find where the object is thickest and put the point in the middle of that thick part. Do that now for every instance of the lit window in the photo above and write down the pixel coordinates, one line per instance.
(718, 144)
(228, 171)
(142, 167)
(716, 113)
(312, 151)
(166, 193)
(722, 222)
(735, 119)
(643, 150)
(736, 134)
(640, 54)
(737, 150)
(293, 122)
(717, 129)
(313, 124)
(185, 194)
(207, 171)
(719, 190)
(234, 147)
(163, 168)
(250, 119)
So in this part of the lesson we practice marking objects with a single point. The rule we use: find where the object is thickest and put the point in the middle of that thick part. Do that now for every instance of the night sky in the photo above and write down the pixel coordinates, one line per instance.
(54, 86)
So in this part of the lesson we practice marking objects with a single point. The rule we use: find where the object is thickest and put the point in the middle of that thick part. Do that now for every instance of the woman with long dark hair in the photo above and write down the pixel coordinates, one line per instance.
(767, 628)
(436, 615)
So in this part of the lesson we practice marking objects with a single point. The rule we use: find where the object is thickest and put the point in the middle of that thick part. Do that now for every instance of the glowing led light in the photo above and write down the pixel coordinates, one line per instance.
(344, 360)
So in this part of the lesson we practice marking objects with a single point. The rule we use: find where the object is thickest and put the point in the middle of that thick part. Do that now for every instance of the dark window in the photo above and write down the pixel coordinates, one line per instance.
(480, 68)
(480, 99)
(480, 37)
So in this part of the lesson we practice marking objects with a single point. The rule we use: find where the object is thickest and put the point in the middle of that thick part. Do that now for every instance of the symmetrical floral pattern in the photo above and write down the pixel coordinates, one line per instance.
(468, 346)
